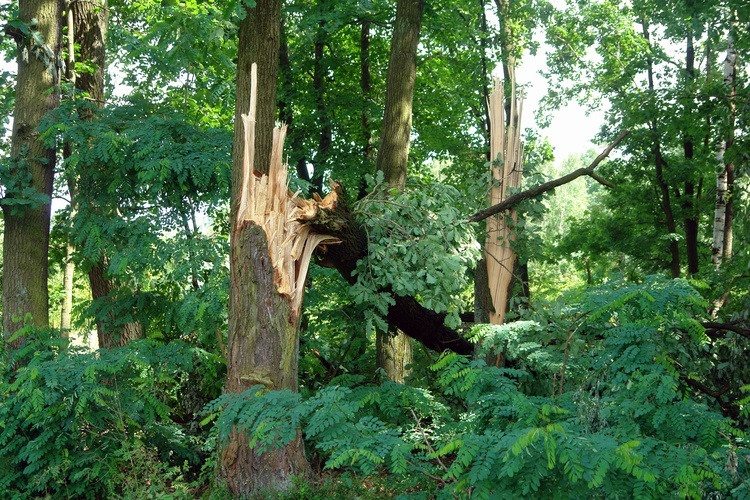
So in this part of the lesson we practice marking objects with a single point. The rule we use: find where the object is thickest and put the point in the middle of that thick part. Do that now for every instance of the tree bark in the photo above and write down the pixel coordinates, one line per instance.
(263, 325)
(393, 153)
(90, 26)
(262, 349)
(690, 196)
(394, 350)
(26, 232)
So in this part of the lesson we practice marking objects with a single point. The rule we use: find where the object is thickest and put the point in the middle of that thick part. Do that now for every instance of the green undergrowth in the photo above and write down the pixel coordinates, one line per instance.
(589, 400)
(105, 424)
(590, 397)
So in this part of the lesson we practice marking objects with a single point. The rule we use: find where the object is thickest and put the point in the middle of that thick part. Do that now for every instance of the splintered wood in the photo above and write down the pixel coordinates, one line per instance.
(267, 201)
(507, 169)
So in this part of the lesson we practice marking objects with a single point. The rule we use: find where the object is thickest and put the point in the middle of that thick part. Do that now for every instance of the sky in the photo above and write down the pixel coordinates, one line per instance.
(570, 130)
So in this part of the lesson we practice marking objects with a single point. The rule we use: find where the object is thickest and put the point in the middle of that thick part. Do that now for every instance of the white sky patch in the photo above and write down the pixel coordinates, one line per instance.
(570, 130)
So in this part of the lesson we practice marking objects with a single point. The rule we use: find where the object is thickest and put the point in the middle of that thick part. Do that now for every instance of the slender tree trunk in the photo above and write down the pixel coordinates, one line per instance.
(690, 196)
(722, 236)
(263, 326)
(69, 267)
(286, 114)
(659, 165)
(394, 348)
(366, 86)
(26, 232)
(90, 26)
(319, 85)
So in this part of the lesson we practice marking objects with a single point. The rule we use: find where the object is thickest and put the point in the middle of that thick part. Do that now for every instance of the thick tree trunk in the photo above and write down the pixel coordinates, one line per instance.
(393, 153)
(506, 152)
(263, 321)
(26, 232)
(263, 349)
(394, 348)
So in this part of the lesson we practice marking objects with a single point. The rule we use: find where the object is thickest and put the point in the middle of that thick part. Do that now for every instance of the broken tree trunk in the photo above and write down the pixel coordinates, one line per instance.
(271, 249)
(506, 151)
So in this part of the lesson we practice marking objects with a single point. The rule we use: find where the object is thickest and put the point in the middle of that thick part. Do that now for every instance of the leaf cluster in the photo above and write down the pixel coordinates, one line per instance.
(418, 245)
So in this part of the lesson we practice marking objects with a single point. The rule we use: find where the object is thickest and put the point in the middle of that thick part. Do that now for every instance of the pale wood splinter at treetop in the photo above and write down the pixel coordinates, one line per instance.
(506, 150)
(267, 201)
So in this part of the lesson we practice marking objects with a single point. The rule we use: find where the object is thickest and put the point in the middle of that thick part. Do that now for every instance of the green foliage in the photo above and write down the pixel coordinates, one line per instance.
(418, 245)
(90, 425)
(159, 179)
(609, 417)
(18, 191)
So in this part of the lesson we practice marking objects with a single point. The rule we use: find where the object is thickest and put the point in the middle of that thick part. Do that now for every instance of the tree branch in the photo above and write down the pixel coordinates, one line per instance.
(729, 327)
(407, 314)
(548, 186)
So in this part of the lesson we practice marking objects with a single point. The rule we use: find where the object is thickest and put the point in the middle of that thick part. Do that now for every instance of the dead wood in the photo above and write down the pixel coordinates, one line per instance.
(548, 186)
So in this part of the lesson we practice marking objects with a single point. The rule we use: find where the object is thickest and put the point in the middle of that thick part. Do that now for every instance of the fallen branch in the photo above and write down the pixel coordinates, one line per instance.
(334, 218)
(548, 186)
(712, 329)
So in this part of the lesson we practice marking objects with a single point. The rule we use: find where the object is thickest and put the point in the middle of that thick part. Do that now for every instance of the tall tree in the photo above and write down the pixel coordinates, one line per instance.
(723, 217)
(394, 348)
(28, 175)
(263, 342)
(87, 28)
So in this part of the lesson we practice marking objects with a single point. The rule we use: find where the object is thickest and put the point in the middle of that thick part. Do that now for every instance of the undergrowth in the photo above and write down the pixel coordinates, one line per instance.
(588, 401)
(589, 398)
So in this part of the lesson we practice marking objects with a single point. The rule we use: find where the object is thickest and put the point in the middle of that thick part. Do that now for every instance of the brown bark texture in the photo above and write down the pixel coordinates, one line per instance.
(260, 332)
(393, 152)
(691, 193)
(269, 256)
(394, 351)
(90, 25)
(26, 232)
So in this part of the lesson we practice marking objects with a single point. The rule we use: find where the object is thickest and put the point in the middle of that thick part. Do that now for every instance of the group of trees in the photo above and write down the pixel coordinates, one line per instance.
(389, 138)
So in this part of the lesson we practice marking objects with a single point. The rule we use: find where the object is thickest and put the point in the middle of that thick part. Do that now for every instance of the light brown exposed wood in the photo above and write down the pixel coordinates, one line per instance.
(506, 151)
(267, 202)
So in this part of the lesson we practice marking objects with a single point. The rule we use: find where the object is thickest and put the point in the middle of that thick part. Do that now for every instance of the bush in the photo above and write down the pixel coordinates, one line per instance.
(596, 406)
(95, 424)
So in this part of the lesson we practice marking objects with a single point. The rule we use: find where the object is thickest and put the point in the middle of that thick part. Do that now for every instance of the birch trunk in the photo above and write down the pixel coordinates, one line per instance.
(722, 235)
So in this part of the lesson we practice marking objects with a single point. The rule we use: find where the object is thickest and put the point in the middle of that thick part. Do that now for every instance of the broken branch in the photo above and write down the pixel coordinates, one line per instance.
(548, 186)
